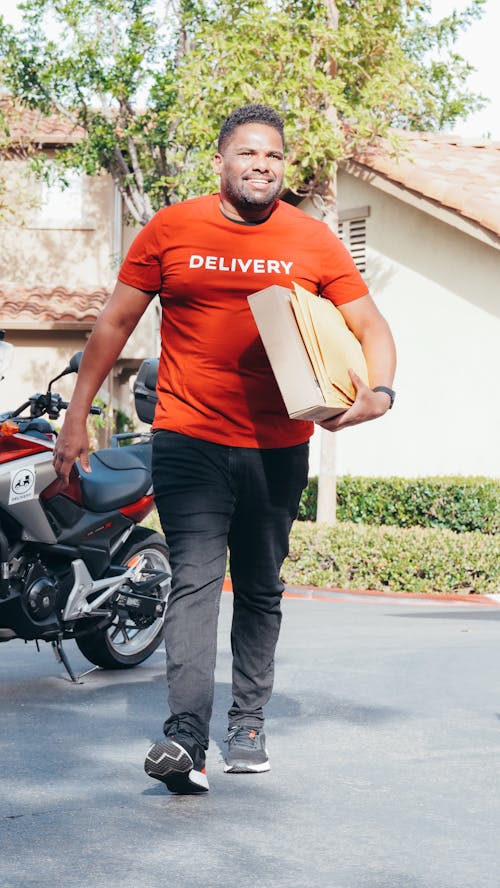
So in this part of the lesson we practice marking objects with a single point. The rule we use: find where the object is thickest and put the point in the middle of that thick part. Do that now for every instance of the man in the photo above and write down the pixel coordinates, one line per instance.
(229, 465)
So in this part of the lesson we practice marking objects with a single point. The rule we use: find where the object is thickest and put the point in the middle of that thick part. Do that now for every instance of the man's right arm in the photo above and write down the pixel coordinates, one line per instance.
(111, 331)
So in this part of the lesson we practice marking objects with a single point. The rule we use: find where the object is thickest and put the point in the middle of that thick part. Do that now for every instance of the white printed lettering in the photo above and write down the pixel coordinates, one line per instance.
(257, 266)
(244, 265)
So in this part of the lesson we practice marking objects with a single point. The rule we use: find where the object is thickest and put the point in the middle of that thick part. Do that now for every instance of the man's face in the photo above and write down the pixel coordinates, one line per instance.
(251, 168)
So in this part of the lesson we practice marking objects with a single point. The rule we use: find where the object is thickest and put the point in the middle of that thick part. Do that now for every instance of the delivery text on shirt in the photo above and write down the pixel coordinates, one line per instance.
(255, 266)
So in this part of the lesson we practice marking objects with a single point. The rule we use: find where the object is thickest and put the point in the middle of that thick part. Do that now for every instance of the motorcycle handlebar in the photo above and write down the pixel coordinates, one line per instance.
(40, 405)
(63, 405)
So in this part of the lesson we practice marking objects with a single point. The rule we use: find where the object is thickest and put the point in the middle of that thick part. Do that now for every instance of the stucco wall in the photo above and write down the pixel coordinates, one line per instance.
(40, 356)
(75, 254)
(439, 289)
(82, 252)
(36, 359)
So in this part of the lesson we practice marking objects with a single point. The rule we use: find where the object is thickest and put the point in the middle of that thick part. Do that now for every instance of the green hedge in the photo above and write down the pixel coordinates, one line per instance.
(457, 503)
(391, 559)
(417, 559)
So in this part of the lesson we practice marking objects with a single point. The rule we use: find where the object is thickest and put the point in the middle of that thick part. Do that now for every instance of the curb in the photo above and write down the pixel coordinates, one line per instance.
(317, 593)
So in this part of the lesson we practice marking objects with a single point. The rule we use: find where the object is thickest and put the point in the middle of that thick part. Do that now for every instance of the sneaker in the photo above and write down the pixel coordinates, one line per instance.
(181, 766)
(246, 751)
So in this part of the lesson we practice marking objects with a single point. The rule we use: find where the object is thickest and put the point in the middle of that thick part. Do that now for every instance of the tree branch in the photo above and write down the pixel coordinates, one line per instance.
(139, 178)
(129, 203)
(133, 195)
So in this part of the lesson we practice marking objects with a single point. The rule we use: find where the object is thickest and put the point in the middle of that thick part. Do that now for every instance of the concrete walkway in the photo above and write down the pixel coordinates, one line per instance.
(384, 738)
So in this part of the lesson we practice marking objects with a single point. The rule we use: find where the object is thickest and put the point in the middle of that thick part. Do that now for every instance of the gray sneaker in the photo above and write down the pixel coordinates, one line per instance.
(179, 762)
(246, 751)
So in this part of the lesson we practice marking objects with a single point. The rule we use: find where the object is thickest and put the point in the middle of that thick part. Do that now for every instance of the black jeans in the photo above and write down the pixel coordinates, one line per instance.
(211, 497)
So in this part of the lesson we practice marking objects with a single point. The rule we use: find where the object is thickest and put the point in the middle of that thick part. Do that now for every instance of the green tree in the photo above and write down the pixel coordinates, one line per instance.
(148, 84)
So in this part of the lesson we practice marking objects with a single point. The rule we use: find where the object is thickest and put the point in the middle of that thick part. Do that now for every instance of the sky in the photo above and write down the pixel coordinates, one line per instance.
(479, 45)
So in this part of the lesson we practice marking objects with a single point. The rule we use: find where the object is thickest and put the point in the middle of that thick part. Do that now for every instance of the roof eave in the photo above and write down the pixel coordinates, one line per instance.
(426, 204)
(35, 326)
(40, 143)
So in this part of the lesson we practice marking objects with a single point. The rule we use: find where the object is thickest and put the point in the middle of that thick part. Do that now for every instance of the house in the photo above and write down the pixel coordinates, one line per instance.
(59, 253)
(424, 228)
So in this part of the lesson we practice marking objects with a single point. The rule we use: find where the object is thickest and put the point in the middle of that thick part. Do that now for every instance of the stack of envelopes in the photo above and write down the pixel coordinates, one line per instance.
(331, 346)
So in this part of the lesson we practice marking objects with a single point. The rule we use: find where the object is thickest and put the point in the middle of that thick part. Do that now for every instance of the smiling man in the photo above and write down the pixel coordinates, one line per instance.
(229, 465)
(250, 162)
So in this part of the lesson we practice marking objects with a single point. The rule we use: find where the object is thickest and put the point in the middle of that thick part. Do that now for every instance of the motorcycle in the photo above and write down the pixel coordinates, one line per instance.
(74, 561)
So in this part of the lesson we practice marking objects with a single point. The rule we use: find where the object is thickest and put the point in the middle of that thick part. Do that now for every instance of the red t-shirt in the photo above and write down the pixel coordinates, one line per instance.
(215, 381)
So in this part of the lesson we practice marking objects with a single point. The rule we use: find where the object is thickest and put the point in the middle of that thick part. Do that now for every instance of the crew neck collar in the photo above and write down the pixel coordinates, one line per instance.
(247, 224)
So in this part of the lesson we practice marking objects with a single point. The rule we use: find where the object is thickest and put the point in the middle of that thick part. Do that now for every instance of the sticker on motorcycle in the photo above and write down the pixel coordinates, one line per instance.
(22, 485)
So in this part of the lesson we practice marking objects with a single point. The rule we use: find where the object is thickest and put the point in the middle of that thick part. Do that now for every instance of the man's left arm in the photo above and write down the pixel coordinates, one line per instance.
(372, 330)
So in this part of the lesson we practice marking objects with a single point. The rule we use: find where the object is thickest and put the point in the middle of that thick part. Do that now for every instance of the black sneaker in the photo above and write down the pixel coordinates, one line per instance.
(180, 765)
(246, 751)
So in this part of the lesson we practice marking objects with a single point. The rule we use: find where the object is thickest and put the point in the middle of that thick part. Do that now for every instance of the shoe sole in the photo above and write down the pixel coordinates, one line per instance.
(169, 762)
(246, 768)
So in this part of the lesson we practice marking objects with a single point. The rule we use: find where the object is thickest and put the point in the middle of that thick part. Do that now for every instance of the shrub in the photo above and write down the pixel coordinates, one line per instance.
(355, 556)
(390, 559)
(458, 503)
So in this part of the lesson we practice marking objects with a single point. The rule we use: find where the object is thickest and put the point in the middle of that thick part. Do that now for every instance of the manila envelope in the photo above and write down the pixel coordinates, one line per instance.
(330, 344)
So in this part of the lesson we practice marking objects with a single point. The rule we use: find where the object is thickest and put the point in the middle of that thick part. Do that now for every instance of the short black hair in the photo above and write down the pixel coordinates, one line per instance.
(249, 114)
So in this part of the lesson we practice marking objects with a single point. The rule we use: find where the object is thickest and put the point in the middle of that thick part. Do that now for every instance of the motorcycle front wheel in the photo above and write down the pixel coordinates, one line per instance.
(124, 644)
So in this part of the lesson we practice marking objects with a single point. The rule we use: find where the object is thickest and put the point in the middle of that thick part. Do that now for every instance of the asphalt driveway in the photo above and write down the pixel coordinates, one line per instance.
(384, 739)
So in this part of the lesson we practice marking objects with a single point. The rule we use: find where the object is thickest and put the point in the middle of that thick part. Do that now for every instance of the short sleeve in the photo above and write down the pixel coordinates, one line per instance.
(340, 279)
(142, 265)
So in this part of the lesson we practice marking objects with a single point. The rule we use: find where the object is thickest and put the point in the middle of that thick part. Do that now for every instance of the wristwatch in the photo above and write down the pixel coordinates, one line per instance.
(388, 391)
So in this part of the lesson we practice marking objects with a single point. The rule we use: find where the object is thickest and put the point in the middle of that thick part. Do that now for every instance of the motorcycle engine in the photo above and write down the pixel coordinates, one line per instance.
(41, 592)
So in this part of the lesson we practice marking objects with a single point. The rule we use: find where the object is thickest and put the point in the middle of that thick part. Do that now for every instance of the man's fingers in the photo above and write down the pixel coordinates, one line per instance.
(85, 462)
(356, 380)
(63, 463)
(61, 471)
(337, 422)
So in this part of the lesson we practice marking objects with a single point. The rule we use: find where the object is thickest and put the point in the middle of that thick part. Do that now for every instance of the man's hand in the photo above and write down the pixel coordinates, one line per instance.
(72, 444)
(368, 405)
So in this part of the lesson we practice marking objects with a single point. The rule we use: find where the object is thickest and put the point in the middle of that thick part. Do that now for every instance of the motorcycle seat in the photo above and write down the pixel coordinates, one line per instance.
(120, 475)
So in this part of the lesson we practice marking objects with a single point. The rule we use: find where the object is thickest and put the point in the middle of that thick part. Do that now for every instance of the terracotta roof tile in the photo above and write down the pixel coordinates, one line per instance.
(45, 307)
(460, 174)
(27, 126)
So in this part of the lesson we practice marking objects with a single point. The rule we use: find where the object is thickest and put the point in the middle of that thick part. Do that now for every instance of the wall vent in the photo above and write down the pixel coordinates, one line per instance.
(352, 232)
(353, 235)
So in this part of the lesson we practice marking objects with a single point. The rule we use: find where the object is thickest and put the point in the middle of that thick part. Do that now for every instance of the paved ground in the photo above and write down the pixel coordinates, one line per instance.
(384, 736)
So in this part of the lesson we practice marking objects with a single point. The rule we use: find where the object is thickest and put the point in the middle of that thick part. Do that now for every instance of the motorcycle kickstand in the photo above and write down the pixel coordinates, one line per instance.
(60, 655)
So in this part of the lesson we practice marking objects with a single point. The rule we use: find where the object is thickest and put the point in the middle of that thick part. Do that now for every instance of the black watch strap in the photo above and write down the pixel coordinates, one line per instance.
(388, 391)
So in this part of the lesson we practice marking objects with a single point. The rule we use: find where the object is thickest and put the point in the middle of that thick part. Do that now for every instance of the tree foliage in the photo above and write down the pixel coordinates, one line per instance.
(149, 82)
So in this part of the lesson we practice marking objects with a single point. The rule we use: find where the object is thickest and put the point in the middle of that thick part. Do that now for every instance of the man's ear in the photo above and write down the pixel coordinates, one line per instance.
(217, 163)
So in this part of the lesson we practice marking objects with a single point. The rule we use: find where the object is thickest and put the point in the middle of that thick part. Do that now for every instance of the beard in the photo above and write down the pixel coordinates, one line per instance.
(243, 197)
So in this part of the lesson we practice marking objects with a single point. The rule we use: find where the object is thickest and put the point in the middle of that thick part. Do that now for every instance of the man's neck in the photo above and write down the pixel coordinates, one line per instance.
(250, 216)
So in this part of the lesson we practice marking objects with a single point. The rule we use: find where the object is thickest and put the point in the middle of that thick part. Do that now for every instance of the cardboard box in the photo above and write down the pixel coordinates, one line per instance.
(299, 387)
